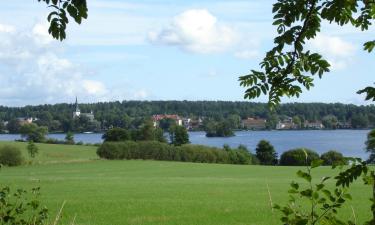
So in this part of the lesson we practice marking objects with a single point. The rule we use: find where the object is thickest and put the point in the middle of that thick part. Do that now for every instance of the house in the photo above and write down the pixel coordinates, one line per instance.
(253, 124)
(77, 113)
(186, 122)
(314, 125)
(286, 124)
(26, 120)
(158, 117)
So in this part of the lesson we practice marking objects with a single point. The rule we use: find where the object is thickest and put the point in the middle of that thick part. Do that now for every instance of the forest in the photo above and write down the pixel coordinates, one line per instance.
(131, 114)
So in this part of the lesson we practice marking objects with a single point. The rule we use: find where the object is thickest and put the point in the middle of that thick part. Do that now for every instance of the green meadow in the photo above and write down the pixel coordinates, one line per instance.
(156, 192)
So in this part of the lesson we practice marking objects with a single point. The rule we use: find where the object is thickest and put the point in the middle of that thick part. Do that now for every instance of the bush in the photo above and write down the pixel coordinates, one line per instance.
(154, 150)
(10, 156)
(297, 157)
(333, 158)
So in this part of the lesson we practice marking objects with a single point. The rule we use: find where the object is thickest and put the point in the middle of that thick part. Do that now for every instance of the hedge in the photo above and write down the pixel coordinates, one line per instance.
(153, 150)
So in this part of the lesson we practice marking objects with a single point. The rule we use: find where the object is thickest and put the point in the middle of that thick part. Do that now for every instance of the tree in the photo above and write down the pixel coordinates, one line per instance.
(297, 121)
(58, 18)
(360, 121)
(116, 134)
(33, 132)
(370, 146)
(289, 67)
(178, 135)
(330, 122)
(2, 127)
(266, 153)
(69, 138)
(32, 149)
(167, 123)
(13, 126)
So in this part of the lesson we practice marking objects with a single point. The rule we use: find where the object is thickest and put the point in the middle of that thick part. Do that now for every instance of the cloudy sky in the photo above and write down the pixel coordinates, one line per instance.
(160, 50)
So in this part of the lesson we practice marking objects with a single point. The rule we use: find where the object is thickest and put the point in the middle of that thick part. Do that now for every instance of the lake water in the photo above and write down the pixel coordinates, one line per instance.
(349, 142)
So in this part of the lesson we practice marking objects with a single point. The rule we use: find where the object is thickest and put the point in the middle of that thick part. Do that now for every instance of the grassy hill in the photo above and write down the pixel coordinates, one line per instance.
(152, 192)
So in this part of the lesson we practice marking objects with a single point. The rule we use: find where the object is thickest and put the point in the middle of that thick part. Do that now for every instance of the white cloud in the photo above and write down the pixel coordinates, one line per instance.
(339, 52)
(31, 71)
(141, 94)
(333, 45)
(247, 54)
(196, 30)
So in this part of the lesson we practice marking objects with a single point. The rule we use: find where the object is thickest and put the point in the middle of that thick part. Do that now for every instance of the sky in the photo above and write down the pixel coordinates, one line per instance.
(161, 50)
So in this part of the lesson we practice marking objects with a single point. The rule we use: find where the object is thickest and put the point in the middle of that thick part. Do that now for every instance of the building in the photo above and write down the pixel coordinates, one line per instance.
(253, 124)
(286, 124)
(157, 118)
(25, 120)
(314, 125)
(77, 112)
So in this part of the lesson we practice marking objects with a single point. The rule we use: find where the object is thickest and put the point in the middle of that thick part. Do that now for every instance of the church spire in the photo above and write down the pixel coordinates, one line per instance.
(77, 107)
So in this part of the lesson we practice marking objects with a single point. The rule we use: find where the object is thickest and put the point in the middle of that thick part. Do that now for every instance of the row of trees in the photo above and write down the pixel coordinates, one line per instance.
(178, 135)
(131, 114)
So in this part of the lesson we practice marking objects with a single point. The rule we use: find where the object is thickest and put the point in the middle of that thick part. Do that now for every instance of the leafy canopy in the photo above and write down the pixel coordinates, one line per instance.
(288, 66)
(58, 18)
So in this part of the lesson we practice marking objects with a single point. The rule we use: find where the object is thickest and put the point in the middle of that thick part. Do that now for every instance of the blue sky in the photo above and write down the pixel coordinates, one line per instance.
(161, 50)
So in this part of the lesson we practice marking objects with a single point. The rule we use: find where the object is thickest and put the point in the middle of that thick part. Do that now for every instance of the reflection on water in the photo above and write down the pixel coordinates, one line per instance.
(349, 142)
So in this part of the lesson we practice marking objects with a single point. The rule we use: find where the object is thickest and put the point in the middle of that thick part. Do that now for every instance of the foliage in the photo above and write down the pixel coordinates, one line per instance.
(147, 132)
(13, 126)
(161, 151)
(10, 156)
(297, 157)
(58, 18)
(323, 203)
(33, 132)
(32, 149)
(266, 153)
(219, 129)
(370, 146)
(69, 138)
(116, 134)
(131, 114)
(330, 122)
(167, 123)
(21, 207)
(289, 67)
(178, 135)
(333, 158)
(360, 121)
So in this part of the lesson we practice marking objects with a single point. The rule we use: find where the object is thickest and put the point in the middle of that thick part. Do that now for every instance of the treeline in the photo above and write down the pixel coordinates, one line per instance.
(131, 114)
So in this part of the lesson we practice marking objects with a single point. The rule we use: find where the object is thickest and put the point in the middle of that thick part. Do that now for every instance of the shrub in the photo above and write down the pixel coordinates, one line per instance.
(297, 157)
(22, 207)
(32, 149)
(333, 158)
(155, 150)
(10, 156)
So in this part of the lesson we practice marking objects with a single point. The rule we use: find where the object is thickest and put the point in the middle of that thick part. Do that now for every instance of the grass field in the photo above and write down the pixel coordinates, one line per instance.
(151, 192)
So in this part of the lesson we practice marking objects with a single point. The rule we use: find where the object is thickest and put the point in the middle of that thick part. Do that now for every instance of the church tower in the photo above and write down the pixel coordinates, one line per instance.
(77, 112)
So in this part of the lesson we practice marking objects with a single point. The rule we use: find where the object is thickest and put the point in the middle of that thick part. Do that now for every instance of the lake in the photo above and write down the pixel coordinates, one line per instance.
(349, 142)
